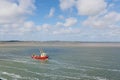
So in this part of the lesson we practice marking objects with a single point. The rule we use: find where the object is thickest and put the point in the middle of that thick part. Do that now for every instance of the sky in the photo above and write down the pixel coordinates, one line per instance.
(60, 20)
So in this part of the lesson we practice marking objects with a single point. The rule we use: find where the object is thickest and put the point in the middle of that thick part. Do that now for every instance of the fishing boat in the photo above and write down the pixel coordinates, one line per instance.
(42, 56)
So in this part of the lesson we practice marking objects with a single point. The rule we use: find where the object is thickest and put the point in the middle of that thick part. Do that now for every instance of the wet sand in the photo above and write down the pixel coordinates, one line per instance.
(62, 44)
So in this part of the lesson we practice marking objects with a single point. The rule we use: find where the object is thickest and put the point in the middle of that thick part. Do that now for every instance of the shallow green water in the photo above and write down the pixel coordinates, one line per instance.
(65, 63)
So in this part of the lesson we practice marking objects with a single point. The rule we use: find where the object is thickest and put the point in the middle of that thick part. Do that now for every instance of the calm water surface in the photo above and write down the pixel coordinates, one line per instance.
(65, 63)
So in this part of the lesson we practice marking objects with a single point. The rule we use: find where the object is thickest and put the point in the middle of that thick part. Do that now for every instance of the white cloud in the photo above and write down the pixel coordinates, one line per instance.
(13, 14)
(61, 17)
(17, 28)
(90, 7)
(51, 13)
(43, 27)
(28, 24)
(59, 24)
(107, 20)
(106, 26)
(11, 11)
(66, 4)
(84, 7)
(66, 31)
(68, 22)
(46, 27)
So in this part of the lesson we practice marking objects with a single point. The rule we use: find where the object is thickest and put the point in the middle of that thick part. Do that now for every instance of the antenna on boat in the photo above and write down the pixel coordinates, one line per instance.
(41, 50)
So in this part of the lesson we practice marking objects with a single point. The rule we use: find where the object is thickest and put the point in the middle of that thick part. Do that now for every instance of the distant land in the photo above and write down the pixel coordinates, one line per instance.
(59, 43)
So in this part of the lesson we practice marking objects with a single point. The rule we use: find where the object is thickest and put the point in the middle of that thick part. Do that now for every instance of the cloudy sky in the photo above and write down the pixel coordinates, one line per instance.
(64, 20)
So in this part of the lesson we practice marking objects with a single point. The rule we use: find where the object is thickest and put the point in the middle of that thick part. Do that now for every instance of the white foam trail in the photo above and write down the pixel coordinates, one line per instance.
(64, 65)
(115, 70)
(11, 75)
(99, 78)
(73, 68)
(19, 61)
(55, 61)
(16, 76)
(3, 78)
(69, 77)
(94, 77)
(60, 65)
(13, 67)
(41, 74)
(60, 76)
(45, 74)
(30, 78)
(50, 75)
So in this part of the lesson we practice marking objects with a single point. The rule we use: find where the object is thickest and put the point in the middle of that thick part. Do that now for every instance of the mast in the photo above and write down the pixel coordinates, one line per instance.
(41, 50)
(43, 54)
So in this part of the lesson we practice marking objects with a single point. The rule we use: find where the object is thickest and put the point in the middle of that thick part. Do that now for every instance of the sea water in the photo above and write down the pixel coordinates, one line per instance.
(65, 63)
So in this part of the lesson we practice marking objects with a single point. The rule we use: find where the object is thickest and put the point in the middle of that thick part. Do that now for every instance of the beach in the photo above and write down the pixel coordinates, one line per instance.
(61, 43)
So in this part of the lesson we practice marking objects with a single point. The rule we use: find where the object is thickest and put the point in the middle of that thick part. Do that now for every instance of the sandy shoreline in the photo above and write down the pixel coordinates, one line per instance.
(62, 44)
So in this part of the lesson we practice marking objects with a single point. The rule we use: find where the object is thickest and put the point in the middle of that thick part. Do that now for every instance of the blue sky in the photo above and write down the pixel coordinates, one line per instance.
(64, 20)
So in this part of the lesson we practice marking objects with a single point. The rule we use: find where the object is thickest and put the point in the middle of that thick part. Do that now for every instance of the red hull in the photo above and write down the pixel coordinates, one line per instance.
(40, 58)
